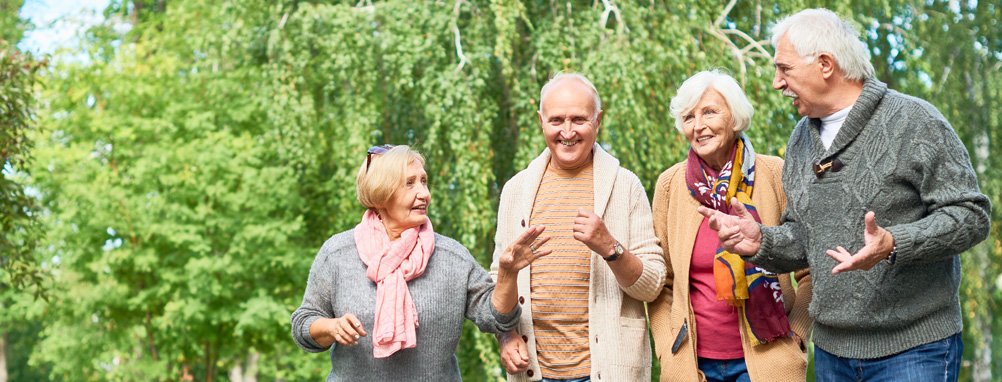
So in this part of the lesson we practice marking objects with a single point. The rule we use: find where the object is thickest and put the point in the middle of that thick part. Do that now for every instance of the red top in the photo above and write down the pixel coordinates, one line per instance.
(716, 322)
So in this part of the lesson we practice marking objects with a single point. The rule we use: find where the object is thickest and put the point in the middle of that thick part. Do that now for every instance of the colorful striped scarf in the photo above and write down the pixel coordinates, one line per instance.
(752, 289)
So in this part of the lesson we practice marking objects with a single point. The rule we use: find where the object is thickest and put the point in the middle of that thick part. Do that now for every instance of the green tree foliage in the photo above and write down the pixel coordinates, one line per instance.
(22, 275)
(12, 27)
(18, 213)
(190, 169)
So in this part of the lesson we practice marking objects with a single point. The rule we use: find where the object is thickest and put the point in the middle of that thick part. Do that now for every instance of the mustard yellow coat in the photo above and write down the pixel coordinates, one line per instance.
(676, 222)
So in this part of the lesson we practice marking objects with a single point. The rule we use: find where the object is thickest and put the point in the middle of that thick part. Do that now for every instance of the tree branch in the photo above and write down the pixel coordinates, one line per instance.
(455, 29)
(723, 15)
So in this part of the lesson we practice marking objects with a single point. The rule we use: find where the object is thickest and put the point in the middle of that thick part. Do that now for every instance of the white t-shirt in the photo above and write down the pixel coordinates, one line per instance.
(831, 124)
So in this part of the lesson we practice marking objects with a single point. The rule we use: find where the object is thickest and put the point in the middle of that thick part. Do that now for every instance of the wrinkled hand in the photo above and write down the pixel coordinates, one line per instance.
(347, 329)
(590, 230)
(514, 353)
(878, 243)
(524, 250)
(740, 233)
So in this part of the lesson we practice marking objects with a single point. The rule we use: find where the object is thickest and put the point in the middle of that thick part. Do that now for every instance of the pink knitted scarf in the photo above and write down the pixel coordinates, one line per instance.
(391, 266)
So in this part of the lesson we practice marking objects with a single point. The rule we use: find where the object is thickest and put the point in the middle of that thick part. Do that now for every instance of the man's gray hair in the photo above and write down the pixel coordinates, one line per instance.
(693, 89)
(818, 30)
(569, 76)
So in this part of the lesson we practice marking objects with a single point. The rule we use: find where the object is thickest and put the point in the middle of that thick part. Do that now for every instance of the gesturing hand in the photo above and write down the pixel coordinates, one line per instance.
(524, 250)
(347, 329)
(740, 233)
(514, 354)
(877, 245)
(590, 230)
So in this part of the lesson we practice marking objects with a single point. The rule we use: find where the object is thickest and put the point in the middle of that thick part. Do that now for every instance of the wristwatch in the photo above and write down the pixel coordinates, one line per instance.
(617, 251)
(891, 257)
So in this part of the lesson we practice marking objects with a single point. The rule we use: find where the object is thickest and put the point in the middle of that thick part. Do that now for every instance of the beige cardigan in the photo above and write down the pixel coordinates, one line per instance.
(617, 322)
(676, 223)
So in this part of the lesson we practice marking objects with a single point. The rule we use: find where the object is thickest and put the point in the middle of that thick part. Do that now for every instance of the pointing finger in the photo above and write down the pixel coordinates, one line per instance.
(706, 212)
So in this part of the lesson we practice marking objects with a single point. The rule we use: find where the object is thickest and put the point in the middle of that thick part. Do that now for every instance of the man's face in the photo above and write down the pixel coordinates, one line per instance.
(570, 124)
(799, 80)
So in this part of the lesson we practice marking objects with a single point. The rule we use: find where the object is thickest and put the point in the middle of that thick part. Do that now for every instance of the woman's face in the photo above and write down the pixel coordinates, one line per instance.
(409, 206)
(709, 129)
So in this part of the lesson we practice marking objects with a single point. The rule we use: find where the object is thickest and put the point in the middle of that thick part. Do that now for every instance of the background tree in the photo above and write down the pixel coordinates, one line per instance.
(22, 275)
(192, 166)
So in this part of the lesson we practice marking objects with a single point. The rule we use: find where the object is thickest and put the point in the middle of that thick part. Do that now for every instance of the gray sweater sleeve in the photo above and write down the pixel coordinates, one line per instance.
(479, 307)
(782, 250)
(782, 247)
(957, 213)
(316, 304)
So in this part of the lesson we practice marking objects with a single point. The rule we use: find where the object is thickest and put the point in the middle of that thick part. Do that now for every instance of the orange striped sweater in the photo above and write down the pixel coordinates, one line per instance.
(559, 282)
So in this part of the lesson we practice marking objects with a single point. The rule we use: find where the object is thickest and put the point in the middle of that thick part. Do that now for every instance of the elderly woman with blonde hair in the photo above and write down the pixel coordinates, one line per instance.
(388, 297)
(720, 318)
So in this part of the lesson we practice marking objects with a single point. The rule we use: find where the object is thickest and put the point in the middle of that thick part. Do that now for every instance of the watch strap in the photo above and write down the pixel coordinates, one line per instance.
(617, 250)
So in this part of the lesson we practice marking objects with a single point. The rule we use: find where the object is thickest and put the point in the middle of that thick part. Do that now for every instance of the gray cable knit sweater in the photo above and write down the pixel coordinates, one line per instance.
(452, 286)
(904, 162)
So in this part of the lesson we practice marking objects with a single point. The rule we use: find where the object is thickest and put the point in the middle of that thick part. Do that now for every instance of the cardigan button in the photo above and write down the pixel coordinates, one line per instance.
(521, 299)
(525, 338)
(529, 373)
(523, 222)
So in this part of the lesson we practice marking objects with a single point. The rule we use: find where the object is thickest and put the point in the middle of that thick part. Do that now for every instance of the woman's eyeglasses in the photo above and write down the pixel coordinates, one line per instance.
(375, 150)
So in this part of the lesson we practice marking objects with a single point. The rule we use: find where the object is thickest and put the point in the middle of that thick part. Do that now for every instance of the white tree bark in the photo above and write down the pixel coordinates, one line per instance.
(244, 372)
(251, 374)
(3, 357)
(981, 368)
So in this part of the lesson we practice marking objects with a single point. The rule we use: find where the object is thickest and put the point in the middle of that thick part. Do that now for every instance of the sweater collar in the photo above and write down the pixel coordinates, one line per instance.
(873, 92)
(604, 164)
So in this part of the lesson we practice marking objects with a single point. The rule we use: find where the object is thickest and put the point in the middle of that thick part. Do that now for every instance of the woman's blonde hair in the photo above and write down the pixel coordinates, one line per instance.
(381, 177)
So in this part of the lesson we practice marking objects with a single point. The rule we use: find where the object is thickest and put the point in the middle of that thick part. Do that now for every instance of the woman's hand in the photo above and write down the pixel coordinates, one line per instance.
(519, 254)
(347, 329)
(524, 250)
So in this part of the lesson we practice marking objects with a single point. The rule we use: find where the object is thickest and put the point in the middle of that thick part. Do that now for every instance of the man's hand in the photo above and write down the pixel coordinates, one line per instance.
(740, 233)
(590, 230)
(878, 244)
(514, 353)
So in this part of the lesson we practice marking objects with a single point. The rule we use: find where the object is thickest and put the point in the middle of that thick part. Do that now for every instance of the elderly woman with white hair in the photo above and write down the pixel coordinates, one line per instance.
(718, 317)
(396, 281)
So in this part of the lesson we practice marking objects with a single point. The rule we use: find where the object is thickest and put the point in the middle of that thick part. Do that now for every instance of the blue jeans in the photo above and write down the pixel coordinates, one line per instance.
(582, 379)
(724, 370)
(933, 362)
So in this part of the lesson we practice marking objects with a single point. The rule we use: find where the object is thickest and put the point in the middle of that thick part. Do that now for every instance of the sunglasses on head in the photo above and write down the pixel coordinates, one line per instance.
(375, 150)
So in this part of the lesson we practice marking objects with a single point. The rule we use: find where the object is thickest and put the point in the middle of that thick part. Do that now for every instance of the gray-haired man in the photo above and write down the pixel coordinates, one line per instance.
(882, 199)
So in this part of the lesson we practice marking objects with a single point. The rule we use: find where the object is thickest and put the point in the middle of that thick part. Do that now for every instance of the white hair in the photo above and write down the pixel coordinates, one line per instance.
(569, 76)
(818, 30)
(694, 87)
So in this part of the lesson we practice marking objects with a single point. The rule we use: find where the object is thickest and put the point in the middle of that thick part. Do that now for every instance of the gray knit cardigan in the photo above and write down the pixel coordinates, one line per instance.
(453, 286)
(903, 161)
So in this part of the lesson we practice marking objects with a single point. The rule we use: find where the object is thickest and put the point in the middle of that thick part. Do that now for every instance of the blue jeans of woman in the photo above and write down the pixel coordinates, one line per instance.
(933, 362)
(724, 370)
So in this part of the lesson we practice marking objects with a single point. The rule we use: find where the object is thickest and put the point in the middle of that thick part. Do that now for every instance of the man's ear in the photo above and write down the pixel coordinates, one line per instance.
(827, 65)
(598, 119)
(540, 115)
